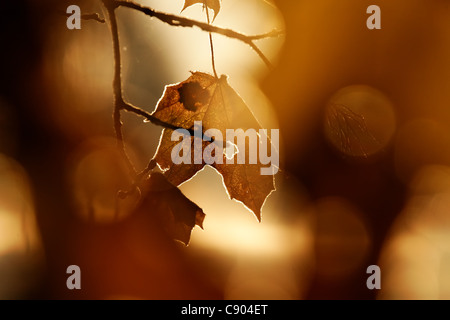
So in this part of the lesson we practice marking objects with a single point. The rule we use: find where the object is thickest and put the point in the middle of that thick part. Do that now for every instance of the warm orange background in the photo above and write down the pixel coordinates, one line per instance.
(380, 197)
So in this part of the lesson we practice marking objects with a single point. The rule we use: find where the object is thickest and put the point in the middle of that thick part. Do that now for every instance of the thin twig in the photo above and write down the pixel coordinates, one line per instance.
(178, 21)
(271, 34)
(93, 16)
(152, 119)
(87, 16)
(149, 117)
(210, 40)
(137, 181)
(117, 85)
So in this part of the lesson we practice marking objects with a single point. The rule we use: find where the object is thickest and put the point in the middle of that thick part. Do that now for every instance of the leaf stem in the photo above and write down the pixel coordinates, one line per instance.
(210, 40)
(117, 85)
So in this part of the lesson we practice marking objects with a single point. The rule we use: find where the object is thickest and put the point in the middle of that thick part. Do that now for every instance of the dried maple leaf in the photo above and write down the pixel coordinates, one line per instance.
(212, 101)
(177, 214)
(211, 4)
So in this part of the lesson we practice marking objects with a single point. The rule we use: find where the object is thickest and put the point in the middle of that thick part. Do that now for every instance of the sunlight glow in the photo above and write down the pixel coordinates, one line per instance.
(265, 253)
(20, 243)
(232, 227)
(180, 50)
(416, 256)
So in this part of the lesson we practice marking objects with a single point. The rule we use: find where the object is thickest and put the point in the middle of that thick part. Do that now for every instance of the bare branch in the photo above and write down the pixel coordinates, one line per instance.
(88, 16)
(150, 118)
(137, 181)
(119, 102)
(93, 16)
(271, 34)
(178, 21)
(117, 85)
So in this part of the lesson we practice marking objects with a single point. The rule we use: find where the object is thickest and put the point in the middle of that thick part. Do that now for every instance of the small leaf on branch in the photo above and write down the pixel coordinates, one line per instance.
(220, 110)
(210, 4)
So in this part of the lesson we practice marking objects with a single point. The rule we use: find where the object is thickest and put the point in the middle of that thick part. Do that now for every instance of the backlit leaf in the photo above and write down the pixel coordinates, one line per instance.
(212, 101)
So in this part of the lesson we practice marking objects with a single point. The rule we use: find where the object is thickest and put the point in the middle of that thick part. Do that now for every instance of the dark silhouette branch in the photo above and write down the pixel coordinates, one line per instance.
(93, 16)
(86, 16)
(119, 102)
(117, 85)
(178, 21)
(137, 181)
(150, 118)
(272, 34)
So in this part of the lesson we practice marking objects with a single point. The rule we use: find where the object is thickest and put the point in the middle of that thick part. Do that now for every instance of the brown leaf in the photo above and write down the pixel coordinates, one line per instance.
(204, 98)
(211, 4)
(177, 213)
